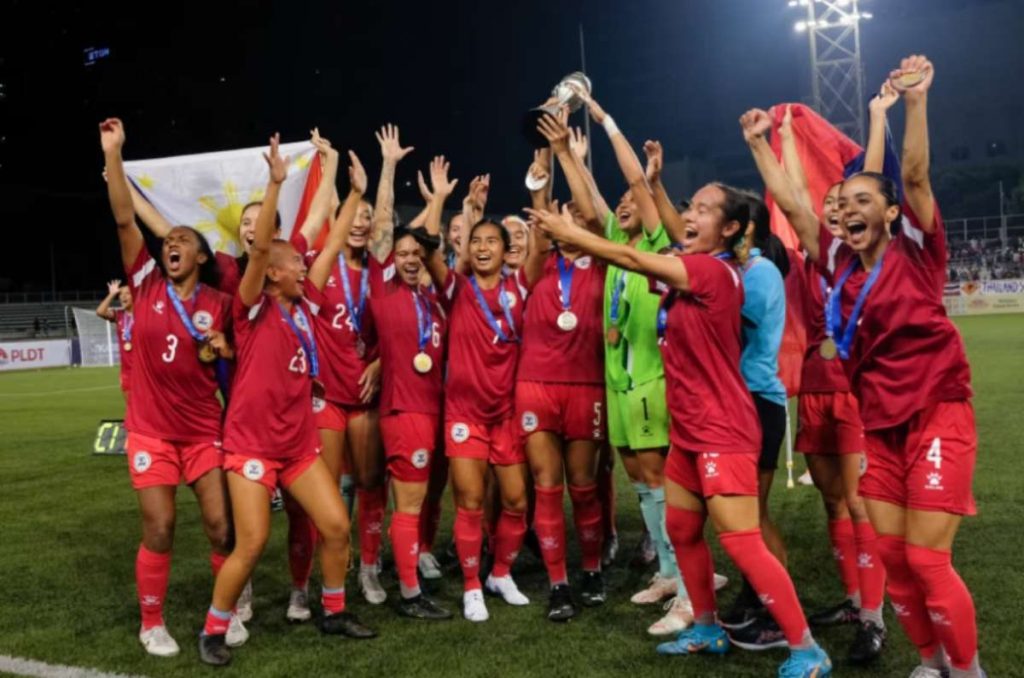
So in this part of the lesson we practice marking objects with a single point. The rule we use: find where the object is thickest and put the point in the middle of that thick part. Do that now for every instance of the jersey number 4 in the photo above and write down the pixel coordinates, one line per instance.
(934, 454)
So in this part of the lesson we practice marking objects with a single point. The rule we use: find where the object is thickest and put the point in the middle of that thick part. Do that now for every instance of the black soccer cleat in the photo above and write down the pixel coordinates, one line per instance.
(345, 624)
(867, 644)
(560, 605)
(213, 650)
(843, 613)
(422, 607)
(761, 634)
(594, 593)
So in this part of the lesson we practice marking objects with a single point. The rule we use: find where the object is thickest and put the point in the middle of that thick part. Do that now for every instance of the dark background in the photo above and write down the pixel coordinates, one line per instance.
(456, 76)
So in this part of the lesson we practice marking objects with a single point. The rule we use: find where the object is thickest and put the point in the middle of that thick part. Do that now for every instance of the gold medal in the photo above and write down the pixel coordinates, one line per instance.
(207, 353)
(127, 347)
(614, 335)
(360, 347)
(828, 349)
(422, 362)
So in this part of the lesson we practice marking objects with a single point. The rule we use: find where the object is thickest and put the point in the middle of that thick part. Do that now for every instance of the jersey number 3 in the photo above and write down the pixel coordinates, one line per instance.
(172, 349)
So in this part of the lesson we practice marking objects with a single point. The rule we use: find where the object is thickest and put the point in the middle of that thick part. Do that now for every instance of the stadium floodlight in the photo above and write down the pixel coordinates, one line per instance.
(837, 79)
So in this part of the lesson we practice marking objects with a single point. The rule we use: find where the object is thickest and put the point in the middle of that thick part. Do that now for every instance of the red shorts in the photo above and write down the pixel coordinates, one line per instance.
(269, 472)
(154, 461)
(499, 444)
(829, 423)
(574, 411)
(707, 474)
(926, 463)
(335, 416)
(409, 439)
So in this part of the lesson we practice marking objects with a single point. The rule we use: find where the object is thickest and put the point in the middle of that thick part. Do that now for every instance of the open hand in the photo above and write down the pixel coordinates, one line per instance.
(390, 148)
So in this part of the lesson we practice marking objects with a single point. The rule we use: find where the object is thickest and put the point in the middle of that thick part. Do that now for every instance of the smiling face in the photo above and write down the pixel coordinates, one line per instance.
(864, 213)
(830, 211)
(125, 296)
(520, 244)
(359, 236)
(247, 226)
(486, 249)
(286, 270)
(627, 213)
(456, 226)
(707, 229)
(409, 260)
(181, 253)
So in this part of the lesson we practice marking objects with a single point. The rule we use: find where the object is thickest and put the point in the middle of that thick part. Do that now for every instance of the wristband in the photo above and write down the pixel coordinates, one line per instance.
(609, 126)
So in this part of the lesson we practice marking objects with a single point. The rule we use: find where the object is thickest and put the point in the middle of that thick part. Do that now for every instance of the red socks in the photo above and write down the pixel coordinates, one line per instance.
(469, 539)
(686, 532)
(152, 570)
(844, 550)
(586, 513)
(549, 524)
(906, 596)
(508, 537)
(949, 603)
(217, 622)
(333, 600)
(769, 579)
(301, 542)
(404, 533)
(870, 568)
(216, 562)
(430, 519)
(371, 522)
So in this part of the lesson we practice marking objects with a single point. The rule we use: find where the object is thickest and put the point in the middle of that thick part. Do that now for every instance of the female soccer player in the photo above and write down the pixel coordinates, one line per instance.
(715, 437)
(485, 315)
(907, 366)
(124, 319)
(270, 432)
(173, 415)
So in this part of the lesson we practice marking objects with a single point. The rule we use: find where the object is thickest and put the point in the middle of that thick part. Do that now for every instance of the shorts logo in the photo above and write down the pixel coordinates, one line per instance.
(159, 306)
(583, 263)
(460, 432)
(253, 469)
(899, 610)
(141, 462)
(710, 469)
(318, 405)
(934, 481)
(530, 422)
(864, 561)
(203, 320)
(509, 298)
(420, 459)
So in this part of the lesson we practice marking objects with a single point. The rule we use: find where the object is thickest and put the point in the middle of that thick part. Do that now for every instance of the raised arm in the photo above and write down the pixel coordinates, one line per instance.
(442, 188)
(668, 213)
(391, 151)
(147, 214)
(755, 124)
(475, 202)
(556, 132)
(540, 172)
(874, 154)
(251, 286)
(103, 310)
(580, 146)
(322, 266)
(128, 233)
(326, 193)
(917, 184)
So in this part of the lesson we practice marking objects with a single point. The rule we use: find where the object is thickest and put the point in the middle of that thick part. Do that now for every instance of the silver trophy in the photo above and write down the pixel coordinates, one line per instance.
(564, 94)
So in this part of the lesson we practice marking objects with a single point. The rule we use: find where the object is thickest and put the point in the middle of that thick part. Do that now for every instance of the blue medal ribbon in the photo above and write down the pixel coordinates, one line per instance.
(491, 320)
(308, 341)
(834, 313)
(129, 323)
(364, 287)
(620, 286)
(423, 319)
(565, 271)
(180, 308)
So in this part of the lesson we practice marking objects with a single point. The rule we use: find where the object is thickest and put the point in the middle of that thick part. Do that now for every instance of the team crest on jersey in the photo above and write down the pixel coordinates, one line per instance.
(159, 306)
(331, 282)
(203, 320)
(510, 299)
(460, 432)
(530, 422)
(420, 458)
(300, 320)
(583, 263)
(141, 462)
(253, 469)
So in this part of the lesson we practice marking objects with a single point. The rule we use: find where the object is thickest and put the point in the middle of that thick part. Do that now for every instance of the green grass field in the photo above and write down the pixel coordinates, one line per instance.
(69, 530)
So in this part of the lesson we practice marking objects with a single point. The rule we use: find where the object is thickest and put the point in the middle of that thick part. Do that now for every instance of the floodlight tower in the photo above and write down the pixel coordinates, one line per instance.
(837, 80)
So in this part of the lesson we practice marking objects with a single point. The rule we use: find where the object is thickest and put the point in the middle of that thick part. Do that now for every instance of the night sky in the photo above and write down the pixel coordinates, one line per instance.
(457, 77)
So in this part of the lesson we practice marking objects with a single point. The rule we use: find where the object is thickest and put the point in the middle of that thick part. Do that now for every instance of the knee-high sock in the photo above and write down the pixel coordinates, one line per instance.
(771, 582)
(152, 570)
(468, 533)
(844, 550)
(653, 521)
(371, 523)
(586, 513)
(686, 531)
(508, 537)
(949, 603)
(404, 533)
(549, 524)
(906, 595)
(870, 568)
(430, 519)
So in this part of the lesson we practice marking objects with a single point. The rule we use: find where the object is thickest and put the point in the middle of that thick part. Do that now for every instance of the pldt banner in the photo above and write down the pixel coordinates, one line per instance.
(982, 298)
(29, 355)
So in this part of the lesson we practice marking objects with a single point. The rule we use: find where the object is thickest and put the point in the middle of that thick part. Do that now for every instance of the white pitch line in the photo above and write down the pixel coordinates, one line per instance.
(29, 667)
(49, 393)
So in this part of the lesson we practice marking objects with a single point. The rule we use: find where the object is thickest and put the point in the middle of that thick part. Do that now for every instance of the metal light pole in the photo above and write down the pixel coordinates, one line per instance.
(837, 78)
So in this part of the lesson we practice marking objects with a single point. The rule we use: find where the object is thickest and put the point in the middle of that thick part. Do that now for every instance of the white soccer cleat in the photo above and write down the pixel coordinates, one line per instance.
(473, 607)
(721, 581)
(507, 589)
(678, 618)
(429, 567)
(922, 671)
(158, 642)
(237, 633)
(657, 590)
(244, 606)
(369, 583)
(298, 606)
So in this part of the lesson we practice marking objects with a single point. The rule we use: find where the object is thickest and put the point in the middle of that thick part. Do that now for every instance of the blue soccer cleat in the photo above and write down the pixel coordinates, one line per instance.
(706, 638)
(809, 663)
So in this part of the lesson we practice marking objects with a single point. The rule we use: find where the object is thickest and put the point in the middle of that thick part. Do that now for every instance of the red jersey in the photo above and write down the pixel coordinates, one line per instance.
(125, 321)
(818, 375)
(393, 324)
(710, 406)
(481, 367)
(906, 354)
(271, 409)
(173, 395)
(549, 353)
(230, 273)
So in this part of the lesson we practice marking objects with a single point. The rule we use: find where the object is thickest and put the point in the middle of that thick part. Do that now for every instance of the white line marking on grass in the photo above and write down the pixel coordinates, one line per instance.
(29, 667)
(68, 390)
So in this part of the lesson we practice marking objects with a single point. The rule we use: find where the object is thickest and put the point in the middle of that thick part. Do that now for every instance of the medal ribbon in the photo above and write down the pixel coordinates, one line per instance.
(834, 314)
(364, 287)
(491, 320)
(565, 278)
(423, 319)
(180, 308)
(308, 341)
(129, 323)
